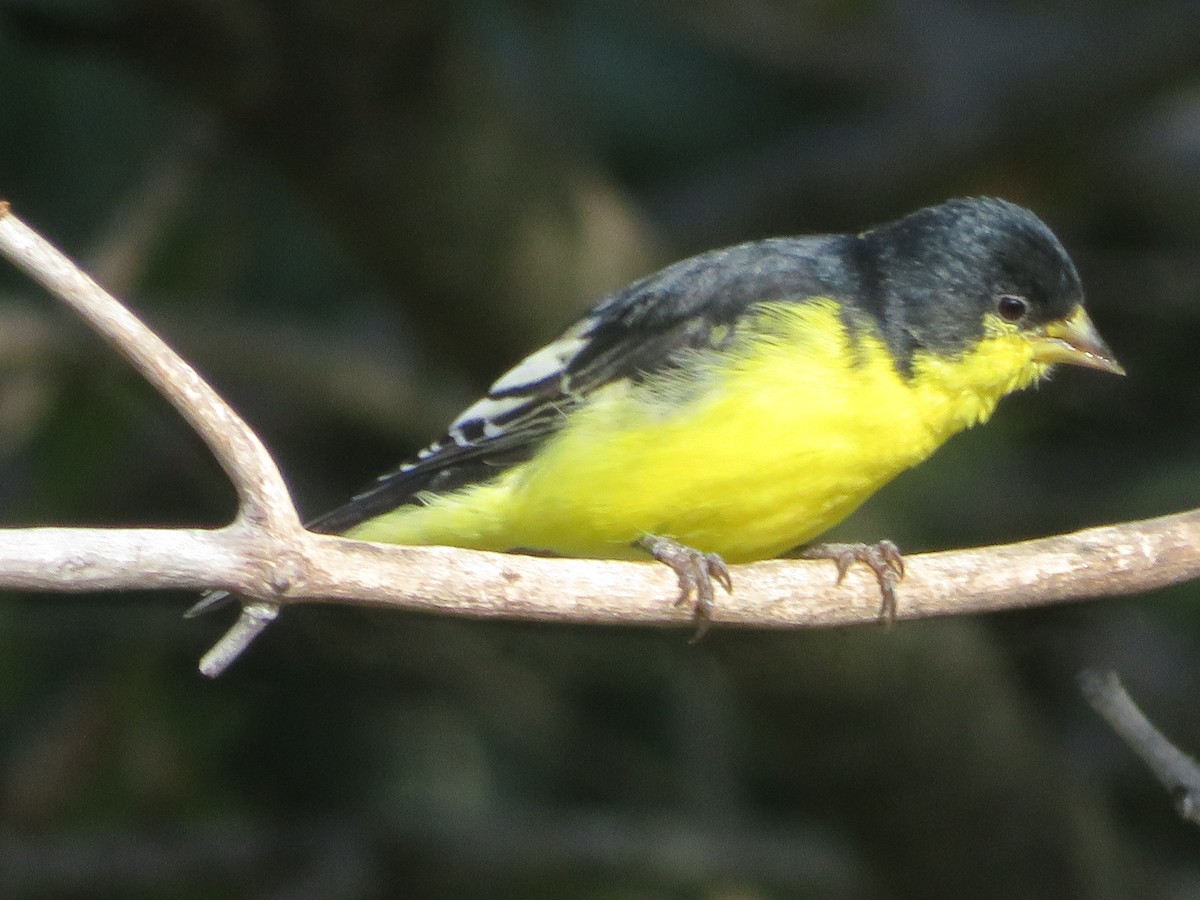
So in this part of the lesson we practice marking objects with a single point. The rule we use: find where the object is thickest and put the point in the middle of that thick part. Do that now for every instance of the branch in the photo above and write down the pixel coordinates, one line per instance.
(268, 559)
(1178, 772)
(1099, 562)
(261, 490)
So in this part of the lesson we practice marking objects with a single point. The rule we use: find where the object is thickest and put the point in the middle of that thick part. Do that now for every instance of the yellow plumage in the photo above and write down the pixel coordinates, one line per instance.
(747, 452)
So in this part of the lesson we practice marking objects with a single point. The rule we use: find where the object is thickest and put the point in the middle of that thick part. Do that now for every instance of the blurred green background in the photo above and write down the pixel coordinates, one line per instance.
(350, 217)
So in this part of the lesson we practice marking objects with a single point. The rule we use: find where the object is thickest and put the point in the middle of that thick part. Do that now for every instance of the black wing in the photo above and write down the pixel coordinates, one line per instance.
(640, 330)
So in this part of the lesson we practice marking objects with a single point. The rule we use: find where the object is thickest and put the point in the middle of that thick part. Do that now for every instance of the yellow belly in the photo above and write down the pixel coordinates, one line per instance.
(780, 441)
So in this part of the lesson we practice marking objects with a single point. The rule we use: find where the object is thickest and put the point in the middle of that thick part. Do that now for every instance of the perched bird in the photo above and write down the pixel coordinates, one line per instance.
(736, 405)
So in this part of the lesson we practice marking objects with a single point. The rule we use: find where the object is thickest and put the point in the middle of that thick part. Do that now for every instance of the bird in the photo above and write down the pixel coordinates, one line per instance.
(734, 406)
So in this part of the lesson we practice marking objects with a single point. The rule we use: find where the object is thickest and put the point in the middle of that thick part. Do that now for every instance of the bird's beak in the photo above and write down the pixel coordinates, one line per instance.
(1074, 341)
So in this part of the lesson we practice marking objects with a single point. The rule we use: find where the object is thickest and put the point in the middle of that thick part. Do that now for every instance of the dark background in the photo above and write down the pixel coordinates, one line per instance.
(352, 216)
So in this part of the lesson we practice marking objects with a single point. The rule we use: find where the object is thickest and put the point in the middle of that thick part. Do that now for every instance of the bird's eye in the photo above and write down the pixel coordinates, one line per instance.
(1011, 308)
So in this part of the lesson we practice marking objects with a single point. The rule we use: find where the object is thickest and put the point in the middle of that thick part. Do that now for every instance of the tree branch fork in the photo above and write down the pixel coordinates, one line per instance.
(267, 558)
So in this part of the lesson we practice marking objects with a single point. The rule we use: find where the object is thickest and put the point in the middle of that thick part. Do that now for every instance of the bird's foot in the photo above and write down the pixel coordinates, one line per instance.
(883, 559)
(696, 571)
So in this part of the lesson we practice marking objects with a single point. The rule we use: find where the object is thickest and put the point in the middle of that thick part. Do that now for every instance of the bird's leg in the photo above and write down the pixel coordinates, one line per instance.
(883, 559)
(696, 571)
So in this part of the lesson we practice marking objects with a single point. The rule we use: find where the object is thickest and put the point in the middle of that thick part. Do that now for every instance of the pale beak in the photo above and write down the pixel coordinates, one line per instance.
(1074, 341)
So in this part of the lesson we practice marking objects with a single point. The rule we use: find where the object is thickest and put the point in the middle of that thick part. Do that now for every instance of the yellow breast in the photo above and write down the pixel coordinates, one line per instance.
(747, 453)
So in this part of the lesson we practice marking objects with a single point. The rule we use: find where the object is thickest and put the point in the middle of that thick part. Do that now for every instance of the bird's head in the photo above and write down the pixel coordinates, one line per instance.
(957, 274)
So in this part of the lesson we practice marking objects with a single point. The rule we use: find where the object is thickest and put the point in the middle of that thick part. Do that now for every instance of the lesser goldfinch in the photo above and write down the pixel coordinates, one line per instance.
(737, 404)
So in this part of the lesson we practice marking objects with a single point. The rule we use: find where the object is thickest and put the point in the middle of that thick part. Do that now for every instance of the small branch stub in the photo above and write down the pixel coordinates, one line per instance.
(1177, 771)
(250, 624)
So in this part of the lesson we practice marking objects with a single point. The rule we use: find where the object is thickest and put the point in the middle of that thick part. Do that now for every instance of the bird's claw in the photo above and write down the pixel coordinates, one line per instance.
(696, 571)
(883, 558)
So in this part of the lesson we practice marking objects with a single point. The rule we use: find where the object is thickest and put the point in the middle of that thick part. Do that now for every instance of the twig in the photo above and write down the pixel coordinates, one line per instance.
(266, 557)
(254, 618)
(261, 490)
(264, 504)
(1177, 772)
